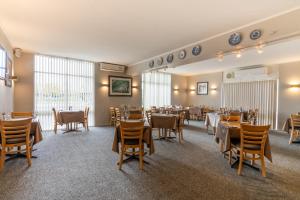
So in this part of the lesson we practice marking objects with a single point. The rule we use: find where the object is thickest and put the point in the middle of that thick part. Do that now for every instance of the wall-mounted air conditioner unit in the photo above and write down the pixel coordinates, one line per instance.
(112, 67)
(246, 73)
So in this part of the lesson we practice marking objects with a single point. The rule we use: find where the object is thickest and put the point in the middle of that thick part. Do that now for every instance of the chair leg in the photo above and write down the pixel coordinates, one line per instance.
(230, 156)
(181, 134)
(159, 133)
(141, 155)
(121, 159)
(241, 163)
(263, 166)
(253, 161)
(2, 159)
(55, 128)
(291, 137)
(28, 155)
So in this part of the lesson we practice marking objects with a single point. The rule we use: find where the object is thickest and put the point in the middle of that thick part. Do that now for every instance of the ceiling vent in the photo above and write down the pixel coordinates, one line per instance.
(112, 67)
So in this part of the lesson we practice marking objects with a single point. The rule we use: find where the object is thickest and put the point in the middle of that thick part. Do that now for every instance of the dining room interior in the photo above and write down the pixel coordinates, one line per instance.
(149, 99)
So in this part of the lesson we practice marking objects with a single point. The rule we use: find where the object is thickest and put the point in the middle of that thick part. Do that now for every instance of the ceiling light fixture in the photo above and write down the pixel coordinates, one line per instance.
(220, 56)
(238, 54)
(259, 48)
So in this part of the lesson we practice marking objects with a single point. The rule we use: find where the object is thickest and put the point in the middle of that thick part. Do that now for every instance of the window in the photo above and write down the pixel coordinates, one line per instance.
(261, 95)
(2, 63)
(62, 83)
(156, 89)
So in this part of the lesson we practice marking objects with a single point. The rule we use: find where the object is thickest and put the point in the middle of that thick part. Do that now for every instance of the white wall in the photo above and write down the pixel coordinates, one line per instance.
(214, 96)
(6, 93)
(289, 98)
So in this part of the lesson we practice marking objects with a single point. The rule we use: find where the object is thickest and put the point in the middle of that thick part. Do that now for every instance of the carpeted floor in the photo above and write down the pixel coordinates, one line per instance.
(81, 165)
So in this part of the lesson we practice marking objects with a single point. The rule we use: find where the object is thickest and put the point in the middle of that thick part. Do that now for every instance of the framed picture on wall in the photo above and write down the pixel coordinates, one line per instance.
(8, 72)
(120, 86)
(202, 88)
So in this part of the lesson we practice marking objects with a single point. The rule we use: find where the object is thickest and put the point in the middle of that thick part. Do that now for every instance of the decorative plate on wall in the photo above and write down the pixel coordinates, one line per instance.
(170, 58)
(196, 50)
(235, 39)
(159, 61)
(255, 34)
(151, 63)
(182, 54)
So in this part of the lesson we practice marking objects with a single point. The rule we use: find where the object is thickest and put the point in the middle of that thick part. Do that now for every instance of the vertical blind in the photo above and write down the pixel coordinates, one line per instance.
(62, 83)
(156, 89)
(2, 63)
(261, 95)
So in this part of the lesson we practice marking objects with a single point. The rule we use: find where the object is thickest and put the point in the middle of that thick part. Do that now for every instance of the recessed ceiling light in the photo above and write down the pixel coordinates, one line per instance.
(220, 56)
(238, 54)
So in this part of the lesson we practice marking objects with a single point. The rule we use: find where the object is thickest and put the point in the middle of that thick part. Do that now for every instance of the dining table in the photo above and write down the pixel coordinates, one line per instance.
(229, 131)
(177, 111)
(70, 118)
(165, 122)
(212, 119)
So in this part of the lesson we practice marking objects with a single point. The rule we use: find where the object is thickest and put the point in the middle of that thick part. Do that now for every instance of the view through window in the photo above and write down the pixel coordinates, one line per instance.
(62, 83)
(2, 63)
(156, 89)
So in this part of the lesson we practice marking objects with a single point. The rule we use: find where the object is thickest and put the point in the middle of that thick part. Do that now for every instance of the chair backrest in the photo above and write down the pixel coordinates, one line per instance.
(231, 118)
(86, 112)
(54, 115)
(148, 115)
(295, 120)
(162, 110)
(135, 116)
(253, 136)
(112, 112)
(21, 114)
(181, 119)
(118, 114)
(235, 113)
(15, 132)
(131, 130)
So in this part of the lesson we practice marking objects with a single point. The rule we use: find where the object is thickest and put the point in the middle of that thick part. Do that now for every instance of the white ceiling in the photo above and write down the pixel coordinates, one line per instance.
(125, 31)
(284, 52)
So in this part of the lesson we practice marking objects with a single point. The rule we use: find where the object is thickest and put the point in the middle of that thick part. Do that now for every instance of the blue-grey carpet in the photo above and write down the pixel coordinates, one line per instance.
(81, 165)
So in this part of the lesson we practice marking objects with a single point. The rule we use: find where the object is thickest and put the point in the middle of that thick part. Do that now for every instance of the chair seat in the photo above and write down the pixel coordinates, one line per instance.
(246, 146)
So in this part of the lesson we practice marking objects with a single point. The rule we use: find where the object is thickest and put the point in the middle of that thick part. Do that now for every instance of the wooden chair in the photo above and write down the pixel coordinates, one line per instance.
(148, 116)
(231, 118)
(112, 116)
(253, 140)
(86, 118)
(56, 122)
(21, 114)
(135, 116)
(118, 116)
(16, 133)
(132, 138)
(295, 123)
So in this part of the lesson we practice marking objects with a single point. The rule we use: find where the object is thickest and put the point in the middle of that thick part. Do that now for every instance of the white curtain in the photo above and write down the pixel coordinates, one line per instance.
(156, 89)
(261, 95)
(2, 63)
(62, 83)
